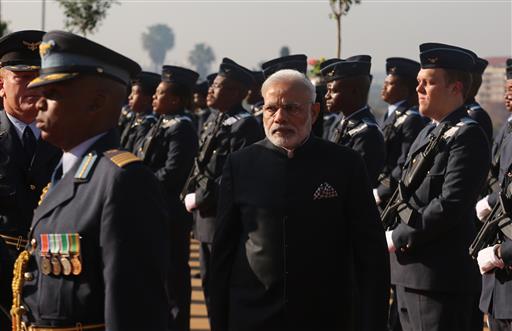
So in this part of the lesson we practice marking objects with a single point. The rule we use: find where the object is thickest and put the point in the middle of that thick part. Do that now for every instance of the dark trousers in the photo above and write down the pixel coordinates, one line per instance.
(205, 250)
(499, 325)
(393, 318)
(434, 311)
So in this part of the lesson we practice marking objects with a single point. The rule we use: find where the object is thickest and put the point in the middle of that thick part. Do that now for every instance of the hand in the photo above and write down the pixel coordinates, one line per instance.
(376, 196)
(487, 259)
(483, 209)
(389, 240)
(190, 202)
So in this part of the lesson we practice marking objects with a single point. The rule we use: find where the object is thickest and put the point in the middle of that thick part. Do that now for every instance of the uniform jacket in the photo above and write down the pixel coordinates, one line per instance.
(399, 129)
(278, 228)
(442, 225)
(501, 159)
(361, 132)
(476, 112)
(136, 130)
(238, 130)
(123, 248)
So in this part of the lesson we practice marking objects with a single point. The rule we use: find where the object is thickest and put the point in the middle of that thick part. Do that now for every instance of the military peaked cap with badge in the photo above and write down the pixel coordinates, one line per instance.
(360, 58)
(329, 62)
(19, 51)
(179, 75)
(65, 55)
(480, 65)
(437, 55)
(346, 69)
(402, 67)
(298, 62)
(232, 70)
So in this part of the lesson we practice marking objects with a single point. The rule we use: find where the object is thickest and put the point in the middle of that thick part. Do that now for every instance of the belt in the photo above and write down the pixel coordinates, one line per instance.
(17, 242)
(77, 327)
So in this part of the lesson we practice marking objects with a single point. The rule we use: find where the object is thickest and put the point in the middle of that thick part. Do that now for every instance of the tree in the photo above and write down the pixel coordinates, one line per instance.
(4, 30)
(84, 16)
(340, 8)
(285, 51)
(201, 58)
(157, 41)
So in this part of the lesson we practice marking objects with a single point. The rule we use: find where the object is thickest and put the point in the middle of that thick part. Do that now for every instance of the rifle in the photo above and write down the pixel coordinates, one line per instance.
(413, 178)
(204, 154)
(489, 231)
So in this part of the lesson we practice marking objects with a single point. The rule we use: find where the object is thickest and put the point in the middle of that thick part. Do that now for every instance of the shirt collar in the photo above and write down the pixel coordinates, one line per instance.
(393, 107)
(20, 126)
(71, 157)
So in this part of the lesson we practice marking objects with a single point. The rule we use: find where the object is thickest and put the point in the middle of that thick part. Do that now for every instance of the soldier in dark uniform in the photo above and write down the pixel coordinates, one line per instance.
(139, 101)
(26, 161)
(321, 89)
(348, 84)
(97, 258)
(496, 259)
(435, 278)
(475, 111)
(199, 104)
(228, 129)
(125, 117)
(402, 122)
(254, 99)
(271, 241)
(169, 150)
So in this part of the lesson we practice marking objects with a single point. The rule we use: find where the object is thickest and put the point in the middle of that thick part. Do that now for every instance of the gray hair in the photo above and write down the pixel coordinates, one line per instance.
(292, 77)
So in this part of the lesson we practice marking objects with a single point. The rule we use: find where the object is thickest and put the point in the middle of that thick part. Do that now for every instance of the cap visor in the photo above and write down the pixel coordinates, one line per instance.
(51, 79)
(22, 67)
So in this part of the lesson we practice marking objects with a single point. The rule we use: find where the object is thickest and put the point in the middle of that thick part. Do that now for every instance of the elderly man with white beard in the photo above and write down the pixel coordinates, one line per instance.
(292, 206)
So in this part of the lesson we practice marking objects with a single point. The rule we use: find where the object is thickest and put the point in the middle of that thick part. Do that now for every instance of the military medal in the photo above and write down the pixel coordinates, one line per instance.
(64, 252)
(46, 266)
(76, 263)
(54, 250)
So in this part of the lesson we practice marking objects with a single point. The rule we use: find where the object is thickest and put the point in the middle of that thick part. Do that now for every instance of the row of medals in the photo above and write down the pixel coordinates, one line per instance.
(58, 264)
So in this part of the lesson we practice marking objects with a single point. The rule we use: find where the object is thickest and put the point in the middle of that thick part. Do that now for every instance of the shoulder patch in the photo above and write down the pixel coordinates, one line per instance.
(235, 118)
(466, 121)
(84, 171)
(361, 127)
(412, 112)
(121, 158)
(463, 121)
(400, 120)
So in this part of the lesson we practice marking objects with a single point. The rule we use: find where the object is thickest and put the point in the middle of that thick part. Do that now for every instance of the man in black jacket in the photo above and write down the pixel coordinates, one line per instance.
(26, 161)
(435, 278)
(271, 242)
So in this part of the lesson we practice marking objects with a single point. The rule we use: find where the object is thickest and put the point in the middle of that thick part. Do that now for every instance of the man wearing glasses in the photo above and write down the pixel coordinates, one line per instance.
(271, 246)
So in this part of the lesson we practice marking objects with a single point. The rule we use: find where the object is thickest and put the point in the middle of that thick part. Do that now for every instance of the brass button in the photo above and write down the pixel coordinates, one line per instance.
(33, 242)
(32, 187)
(28, 276)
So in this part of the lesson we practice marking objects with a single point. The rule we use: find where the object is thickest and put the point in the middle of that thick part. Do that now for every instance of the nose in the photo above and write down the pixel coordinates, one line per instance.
(280, 116)
(420, 88)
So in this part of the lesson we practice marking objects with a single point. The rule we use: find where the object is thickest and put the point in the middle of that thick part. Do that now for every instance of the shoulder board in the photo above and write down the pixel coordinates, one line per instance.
(150, 118)
(464, 121)
(358, 129)
(235, 118)
(400, 120)
(121, 158)
(474, 107)
(412, 112)
(84, 171)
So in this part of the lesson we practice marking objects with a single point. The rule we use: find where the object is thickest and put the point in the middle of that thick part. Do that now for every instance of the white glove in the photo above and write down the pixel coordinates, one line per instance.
(483, 209)
(487, 259)
(376, 196)
(190, 202)
(389, 240)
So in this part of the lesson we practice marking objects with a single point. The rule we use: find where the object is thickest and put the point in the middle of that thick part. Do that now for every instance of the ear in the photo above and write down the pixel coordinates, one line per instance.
(2, 91)
(315, 110)
(457, 87)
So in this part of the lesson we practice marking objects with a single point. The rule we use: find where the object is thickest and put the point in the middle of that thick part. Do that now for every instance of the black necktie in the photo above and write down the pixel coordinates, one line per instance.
(29, 142)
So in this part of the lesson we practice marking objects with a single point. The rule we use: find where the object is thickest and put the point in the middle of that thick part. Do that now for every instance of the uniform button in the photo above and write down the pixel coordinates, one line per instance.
(32, 187)
(28, 276)
(214, 151)
(33, 242)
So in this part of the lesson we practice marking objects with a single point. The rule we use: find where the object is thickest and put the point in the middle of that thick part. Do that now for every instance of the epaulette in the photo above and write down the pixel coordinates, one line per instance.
(474, 107)
(235, 118)
(167, 123)
(357, 129)
(412, 112)
(84, 171)
(121, 158)
(463, 121)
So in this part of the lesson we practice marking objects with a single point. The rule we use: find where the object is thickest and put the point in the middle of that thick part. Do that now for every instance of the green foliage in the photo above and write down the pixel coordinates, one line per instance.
(157, 41)
(341, 7)
(3, 28)
(84, 16)
(201, 58)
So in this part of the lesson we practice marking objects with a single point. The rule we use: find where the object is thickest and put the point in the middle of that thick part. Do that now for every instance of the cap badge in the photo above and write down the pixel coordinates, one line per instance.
(45, 47)
(31, 46)
(331, 73)
(392, 70)
(433, 59)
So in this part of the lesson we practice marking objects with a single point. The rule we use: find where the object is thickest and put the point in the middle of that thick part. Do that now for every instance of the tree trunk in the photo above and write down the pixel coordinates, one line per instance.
(338, 26)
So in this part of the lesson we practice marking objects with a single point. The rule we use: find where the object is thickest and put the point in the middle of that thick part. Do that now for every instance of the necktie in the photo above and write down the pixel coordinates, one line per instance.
(29, 142)
(57, 174)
